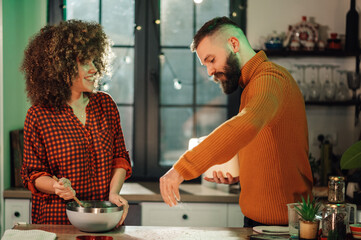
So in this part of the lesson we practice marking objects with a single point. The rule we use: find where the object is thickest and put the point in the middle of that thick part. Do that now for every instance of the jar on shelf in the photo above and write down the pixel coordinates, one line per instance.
(334, 220)
(336, 189)
(334, 43)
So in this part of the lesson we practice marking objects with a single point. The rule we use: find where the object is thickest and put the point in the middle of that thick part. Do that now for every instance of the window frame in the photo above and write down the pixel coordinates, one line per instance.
(146, 112)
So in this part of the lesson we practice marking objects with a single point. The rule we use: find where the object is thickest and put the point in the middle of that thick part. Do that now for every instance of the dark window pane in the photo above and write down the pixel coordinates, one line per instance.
(176, 65)
(121, 83)
(87, 10)
(176, 22)
(209, 118)
(209, 9)
(208, 92)
(175, 131)
(118, 20)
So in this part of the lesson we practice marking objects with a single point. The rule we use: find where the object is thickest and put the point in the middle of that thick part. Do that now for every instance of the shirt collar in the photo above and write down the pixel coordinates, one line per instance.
(250, 67)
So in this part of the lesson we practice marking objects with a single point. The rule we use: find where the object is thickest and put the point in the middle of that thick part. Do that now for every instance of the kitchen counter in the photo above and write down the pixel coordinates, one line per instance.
(68, 232)
(149, 192)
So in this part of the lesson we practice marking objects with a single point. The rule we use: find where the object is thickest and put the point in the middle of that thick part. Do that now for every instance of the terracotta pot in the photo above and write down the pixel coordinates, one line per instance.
(309, 230)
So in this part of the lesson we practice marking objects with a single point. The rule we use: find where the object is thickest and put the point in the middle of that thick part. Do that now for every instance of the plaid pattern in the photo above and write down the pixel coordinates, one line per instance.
(57, 143)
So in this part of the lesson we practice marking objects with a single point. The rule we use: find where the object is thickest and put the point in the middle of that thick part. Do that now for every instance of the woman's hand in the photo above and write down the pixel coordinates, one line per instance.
(63, 189)
(119, 201)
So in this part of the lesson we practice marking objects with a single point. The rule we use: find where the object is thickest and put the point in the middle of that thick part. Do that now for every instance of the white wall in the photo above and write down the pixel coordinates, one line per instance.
(265, 16)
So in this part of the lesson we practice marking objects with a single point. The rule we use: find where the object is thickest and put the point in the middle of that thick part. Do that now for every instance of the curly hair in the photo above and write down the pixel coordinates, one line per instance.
(209, 28)
(50, 61)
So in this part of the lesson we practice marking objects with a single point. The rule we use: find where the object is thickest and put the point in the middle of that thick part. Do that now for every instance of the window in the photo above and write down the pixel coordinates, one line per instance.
(164, 95)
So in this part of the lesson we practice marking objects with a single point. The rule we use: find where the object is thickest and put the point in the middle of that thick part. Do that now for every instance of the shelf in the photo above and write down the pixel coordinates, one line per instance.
(326, 53)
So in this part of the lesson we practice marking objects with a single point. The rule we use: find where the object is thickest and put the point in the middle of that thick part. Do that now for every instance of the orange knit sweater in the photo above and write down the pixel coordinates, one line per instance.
(271, 138)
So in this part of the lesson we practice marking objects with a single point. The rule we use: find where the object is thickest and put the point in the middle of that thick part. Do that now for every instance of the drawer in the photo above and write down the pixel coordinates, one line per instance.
(16, 210)
(184, 214)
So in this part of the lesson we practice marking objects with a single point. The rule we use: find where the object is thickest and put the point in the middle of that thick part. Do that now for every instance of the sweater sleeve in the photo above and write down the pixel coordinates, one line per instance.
(265, 94)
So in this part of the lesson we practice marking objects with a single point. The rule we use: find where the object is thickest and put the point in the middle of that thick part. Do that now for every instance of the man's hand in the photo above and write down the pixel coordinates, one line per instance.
(218, 178)
(120, 201)
(169, 187)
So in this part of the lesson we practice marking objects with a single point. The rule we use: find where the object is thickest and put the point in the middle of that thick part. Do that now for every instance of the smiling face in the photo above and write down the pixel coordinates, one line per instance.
(86, 81)
(221, 61)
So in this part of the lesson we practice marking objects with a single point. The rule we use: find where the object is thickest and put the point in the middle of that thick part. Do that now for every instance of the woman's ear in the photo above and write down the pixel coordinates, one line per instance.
(234, 43)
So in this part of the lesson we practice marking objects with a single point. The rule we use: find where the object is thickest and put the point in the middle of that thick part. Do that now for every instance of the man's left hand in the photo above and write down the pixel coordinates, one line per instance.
(219, 178)
(169, 187)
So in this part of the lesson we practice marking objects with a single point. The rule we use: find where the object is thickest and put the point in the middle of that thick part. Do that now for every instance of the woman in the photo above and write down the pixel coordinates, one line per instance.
(71, 131)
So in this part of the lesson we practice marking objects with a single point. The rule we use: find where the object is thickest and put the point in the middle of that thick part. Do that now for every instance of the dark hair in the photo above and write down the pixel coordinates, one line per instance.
(210, 28)
(50, 60)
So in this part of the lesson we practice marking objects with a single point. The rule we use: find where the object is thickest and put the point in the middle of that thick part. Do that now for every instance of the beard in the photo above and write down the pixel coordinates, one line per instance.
(231, 72)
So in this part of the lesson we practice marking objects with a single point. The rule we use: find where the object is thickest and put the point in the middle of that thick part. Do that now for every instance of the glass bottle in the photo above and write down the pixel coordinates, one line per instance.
(342, 92)
(329, 85)
(352, 29)
(334, 220)
(314, 91)
(300, 79)
(336, 189)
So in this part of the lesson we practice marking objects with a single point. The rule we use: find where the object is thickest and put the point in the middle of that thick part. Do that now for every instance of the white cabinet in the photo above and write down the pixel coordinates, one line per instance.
(235, 217)
(191, 214)
(16, 210)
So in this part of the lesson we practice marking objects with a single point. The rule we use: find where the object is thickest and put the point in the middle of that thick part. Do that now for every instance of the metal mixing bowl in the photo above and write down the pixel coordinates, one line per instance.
(96, 216)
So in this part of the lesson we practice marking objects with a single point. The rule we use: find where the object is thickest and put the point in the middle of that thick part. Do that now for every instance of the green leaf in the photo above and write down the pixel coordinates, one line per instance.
(307, 210)
(351, 158)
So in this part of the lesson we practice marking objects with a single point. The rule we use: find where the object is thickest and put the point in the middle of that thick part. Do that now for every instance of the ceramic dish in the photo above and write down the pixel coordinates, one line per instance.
(271, 230)
(94, 238)
(356, 228)
(356, 236)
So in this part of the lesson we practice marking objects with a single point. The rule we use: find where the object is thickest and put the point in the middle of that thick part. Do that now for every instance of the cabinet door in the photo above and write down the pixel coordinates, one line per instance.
(16, 210)
(184, 214)
(235, 216)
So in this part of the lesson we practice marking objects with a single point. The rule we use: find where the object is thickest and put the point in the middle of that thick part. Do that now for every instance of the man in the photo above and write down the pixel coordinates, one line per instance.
(269, 133)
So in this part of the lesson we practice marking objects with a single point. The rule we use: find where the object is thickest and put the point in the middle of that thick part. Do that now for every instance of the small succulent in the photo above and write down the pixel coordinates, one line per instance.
(308, 209)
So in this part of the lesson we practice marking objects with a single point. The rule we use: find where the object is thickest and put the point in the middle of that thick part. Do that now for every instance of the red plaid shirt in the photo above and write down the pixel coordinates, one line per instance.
(57, 143)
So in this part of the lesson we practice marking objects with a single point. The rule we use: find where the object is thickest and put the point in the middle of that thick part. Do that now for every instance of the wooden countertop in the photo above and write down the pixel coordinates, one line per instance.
(149, 192)
(136, 192)
(67, 232)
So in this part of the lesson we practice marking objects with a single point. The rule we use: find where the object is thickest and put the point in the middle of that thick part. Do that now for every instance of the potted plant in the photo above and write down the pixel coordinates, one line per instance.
(308, 223)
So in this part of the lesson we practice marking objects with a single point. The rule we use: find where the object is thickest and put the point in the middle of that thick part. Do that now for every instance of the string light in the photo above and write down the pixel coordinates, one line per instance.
(127, 59)
(105, 87)
(177, 84)
(164, 60)
(198, 1)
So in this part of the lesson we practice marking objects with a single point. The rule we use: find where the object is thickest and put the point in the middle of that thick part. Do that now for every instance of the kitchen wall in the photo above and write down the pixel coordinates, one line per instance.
(264, 17)
(21, 19)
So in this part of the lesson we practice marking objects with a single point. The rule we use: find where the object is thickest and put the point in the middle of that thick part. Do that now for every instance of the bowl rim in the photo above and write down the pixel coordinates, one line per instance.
(99, 207)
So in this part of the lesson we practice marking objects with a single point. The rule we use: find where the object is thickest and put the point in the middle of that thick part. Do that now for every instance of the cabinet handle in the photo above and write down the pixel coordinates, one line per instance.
(185, 216)
(16, 214)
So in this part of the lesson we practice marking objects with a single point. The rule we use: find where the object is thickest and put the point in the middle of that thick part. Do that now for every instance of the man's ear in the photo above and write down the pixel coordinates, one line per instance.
(234, 44)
